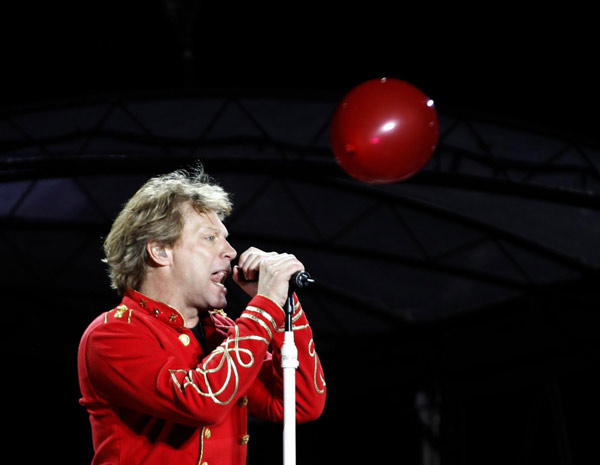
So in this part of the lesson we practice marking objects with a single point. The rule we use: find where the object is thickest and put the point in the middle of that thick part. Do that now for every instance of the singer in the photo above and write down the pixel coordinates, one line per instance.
(166, 376)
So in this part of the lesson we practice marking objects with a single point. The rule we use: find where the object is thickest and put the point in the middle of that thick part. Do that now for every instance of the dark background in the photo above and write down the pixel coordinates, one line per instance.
(532, 398)
(530, 64)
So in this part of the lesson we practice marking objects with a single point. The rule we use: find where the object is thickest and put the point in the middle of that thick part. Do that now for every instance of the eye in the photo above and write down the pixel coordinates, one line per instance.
(210, 238)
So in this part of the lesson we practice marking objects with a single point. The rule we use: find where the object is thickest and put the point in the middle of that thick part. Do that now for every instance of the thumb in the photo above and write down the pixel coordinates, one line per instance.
(250, 287)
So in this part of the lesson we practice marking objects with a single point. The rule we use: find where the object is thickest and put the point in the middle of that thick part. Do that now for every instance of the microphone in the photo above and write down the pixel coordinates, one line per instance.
(301, 280)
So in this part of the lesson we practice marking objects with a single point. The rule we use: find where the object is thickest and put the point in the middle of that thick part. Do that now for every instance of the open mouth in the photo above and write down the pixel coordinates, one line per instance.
(219, 277)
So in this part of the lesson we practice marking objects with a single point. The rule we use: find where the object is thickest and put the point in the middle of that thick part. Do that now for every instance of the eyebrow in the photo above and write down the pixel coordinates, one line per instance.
(212, 229)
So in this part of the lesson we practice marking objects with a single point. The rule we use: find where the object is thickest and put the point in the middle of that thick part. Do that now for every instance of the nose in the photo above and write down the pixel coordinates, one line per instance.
(228, 251)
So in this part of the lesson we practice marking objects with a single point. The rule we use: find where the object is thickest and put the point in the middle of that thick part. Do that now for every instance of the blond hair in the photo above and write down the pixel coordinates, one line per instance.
(154, 213)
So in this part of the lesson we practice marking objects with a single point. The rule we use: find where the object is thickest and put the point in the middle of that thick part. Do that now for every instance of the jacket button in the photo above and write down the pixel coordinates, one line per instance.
(245, 439)
(243, 401)
(207, 433)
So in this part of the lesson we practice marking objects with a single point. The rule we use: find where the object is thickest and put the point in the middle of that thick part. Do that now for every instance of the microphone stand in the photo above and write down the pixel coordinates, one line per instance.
(289, 364)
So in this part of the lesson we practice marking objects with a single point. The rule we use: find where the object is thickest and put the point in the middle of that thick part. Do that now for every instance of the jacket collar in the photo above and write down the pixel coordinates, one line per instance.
(159, 310)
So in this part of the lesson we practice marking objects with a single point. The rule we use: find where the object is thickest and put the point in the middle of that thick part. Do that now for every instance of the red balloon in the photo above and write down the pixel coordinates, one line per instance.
(384, 131)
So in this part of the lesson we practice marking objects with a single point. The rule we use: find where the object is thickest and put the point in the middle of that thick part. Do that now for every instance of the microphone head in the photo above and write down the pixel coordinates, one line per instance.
(301, 279)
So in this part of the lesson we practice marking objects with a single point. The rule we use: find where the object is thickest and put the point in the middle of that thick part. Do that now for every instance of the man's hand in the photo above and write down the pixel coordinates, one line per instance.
(266, 273)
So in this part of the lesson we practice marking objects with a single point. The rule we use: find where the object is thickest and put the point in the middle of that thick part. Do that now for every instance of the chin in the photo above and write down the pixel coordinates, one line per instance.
(219, 304)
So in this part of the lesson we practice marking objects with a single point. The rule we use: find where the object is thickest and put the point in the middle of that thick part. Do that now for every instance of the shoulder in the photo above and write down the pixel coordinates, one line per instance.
(119, 319)
(125, 330)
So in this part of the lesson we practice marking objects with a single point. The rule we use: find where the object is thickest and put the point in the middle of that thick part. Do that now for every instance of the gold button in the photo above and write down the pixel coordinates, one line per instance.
(243, 401)
(185, 339)
(207, 433)
(245, 439)
(204, 463)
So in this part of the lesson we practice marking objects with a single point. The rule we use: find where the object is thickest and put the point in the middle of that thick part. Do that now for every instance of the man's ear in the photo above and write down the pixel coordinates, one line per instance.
(158, 253)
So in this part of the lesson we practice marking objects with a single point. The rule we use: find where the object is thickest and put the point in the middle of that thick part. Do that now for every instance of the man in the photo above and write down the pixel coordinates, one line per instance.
(166, 376)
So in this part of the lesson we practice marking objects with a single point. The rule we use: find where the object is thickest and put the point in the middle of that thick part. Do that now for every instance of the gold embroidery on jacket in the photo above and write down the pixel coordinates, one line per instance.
(231, 356)
(262, 313)
(119, 312)
(294, 319)
(313, 353)
(260, 322)
(201, 445)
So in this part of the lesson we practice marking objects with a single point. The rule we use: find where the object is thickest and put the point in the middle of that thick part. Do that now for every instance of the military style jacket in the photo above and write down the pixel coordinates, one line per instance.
(155, 396)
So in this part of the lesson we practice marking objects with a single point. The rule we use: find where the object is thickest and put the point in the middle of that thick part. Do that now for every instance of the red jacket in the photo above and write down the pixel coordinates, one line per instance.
(154, 396)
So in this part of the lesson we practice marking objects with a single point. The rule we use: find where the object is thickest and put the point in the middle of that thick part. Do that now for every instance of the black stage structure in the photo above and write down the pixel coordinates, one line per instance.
(456, 313)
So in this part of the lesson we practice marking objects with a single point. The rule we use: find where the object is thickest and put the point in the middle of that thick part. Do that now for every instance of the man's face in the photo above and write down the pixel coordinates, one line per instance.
(202, 260)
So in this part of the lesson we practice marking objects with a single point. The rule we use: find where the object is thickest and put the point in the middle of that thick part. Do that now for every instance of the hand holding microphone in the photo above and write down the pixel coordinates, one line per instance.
(270, 274)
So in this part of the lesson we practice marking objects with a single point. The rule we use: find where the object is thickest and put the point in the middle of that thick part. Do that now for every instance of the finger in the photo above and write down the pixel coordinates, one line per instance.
(244, 256)
(237, 274)
(245, 262)
(250, 288)
(284, 265)
(251, 262)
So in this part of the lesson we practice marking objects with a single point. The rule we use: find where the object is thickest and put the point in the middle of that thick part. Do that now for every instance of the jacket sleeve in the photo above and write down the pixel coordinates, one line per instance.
(130, 367)
(266, 393)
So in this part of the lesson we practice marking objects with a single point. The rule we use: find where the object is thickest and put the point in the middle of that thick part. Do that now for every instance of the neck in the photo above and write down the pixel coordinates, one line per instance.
(191, 322)
(157, 291)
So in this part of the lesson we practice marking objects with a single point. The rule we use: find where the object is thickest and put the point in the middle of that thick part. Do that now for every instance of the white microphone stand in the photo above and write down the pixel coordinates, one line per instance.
(289, 363)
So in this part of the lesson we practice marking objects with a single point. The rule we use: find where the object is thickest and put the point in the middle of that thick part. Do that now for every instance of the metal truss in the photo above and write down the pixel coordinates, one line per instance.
(498, 233)
(488, 216)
